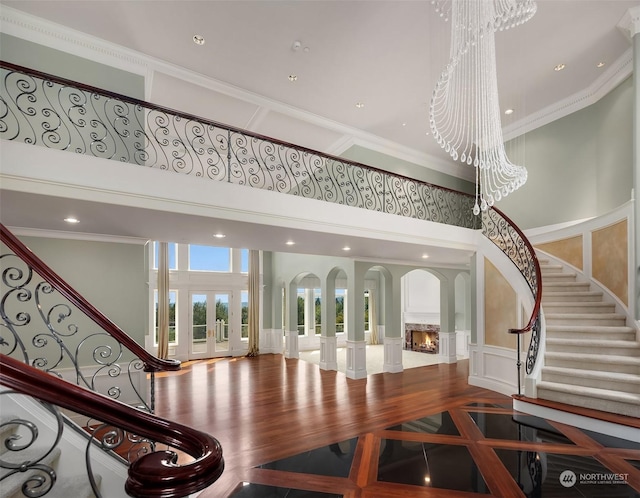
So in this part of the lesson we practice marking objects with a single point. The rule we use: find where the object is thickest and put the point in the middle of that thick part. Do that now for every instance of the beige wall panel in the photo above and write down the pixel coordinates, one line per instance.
(569, 250)
(500, 308)
(610, 258)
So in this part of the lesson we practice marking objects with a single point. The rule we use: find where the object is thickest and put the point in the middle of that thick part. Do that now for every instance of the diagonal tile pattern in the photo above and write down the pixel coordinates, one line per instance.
(473, 449)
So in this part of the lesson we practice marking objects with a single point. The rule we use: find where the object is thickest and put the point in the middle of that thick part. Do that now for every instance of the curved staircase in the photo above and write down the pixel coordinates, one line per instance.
(592, 356)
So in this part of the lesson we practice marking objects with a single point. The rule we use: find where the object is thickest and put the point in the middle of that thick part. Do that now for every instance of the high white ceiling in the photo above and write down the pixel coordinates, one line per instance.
(386, 54)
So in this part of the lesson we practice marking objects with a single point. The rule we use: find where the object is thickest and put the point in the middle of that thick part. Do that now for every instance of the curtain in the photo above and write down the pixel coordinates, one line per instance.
(373, 318)
(163, 300)
(254, 302)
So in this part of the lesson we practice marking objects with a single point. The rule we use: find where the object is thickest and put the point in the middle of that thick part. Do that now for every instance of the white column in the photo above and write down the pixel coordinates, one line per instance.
(448, 347)
(291, 344)
(356, 359)
(630, 25)
(393, 355)
(328, 353)
(271, 341)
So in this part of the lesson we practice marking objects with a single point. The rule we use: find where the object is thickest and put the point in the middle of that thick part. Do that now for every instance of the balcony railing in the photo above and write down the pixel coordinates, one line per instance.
(52, 112)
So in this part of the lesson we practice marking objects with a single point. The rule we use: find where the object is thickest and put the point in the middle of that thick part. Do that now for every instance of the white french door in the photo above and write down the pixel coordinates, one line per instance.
(209, 324)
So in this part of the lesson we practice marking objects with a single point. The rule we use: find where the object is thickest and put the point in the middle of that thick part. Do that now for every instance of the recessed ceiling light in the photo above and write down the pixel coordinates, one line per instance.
(508, 111)
(293, 77)
(360, 105)
(290, 242)
(219, 235)
(198, 39)
(404, 124)
(425, 256)
(346, 248)
(559, 67)
(72, 220)
(600, 64)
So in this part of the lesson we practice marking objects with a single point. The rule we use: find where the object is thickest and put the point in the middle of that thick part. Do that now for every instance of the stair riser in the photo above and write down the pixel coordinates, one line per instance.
(546, 270)
(579, 308)
(558, 277)
(581, 349)
(590, 336)
(577, 380)
(564, 287)
(585, 364)
(591, 321)
(604, 405)
(549, 298)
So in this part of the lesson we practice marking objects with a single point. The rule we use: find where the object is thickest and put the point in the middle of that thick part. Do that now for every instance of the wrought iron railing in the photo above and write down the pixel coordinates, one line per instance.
(151, 472)
(41, 109)
(49, 325)
(505, 234)
(45, 110)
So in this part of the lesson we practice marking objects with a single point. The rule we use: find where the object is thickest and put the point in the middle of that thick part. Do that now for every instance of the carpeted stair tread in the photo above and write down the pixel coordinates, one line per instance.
(594, 374)
(604, 343)
(592, 392)
(595, 358)
(604, 329)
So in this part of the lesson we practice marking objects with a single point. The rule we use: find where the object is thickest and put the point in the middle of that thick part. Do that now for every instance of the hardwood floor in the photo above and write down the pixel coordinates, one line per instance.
(268, 408)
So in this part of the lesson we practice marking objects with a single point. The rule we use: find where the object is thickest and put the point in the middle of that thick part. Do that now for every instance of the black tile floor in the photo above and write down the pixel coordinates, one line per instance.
(435, 452)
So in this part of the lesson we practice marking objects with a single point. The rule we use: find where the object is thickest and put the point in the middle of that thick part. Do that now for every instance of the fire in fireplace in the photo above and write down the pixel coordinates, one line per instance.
(423, 338)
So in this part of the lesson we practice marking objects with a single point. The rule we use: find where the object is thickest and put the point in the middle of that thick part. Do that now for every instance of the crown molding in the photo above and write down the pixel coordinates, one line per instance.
(79, 236)
(31, 28)
(630, 23)
(620, 70)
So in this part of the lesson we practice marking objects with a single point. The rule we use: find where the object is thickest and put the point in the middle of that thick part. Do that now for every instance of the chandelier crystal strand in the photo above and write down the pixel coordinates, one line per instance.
(464, 113)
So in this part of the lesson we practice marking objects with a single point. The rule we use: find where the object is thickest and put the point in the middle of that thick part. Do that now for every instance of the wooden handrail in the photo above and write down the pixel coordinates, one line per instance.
(153, 475)
(209, 122)
(536, 263)
(151, 362)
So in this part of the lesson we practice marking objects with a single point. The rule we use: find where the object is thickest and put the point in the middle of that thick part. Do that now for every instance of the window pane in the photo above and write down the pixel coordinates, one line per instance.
(340, 311)
(244, 300)
(208, 258)
(173, 250)
(301, 324)
(244, 260)
(172, 318)
(317, 294)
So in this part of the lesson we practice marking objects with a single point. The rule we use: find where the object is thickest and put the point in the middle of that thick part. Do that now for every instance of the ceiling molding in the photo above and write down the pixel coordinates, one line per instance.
(34, 29)
(616, 74)
(630, 23)
(88, 237)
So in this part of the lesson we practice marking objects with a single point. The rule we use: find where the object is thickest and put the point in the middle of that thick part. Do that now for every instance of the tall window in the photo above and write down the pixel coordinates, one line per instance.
(244, 299)
(172, 318)
(301, 301)
(317, 294)
(341, 294)
(208, 258)
(244, 260)
(173, 255)
(366, 310)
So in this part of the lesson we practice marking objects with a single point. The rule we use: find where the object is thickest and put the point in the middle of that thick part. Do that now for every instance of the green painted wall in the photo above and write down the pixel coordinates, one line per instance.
(111, 276)
(405, 168)
(579, 166)
(64, 65)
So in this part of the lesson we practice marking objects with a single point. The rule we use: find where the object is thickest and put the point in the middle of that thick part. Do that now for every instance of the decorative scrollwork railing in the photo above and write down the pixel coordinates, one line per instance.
(49, 325)
(41, 109)
(505, 234)
(151, 473)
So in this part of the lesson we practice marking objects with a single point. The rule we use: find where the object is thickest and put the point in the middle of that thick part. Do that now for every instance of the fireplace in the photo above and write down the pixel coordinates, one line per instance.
(422, 337)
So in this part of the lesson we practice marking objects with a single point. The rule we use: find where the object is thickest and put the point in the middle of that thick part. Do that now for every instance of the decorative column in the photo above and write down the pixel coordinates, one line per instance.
(394, 335)
(448, 319)
(291, 335)
(328, 341)
(630, 26)
(356, 345)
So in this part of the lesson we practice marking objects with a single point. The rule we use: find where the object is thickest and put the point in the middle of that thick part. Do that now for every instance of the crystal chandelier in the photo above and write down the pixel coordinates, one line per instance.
(464, 114)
